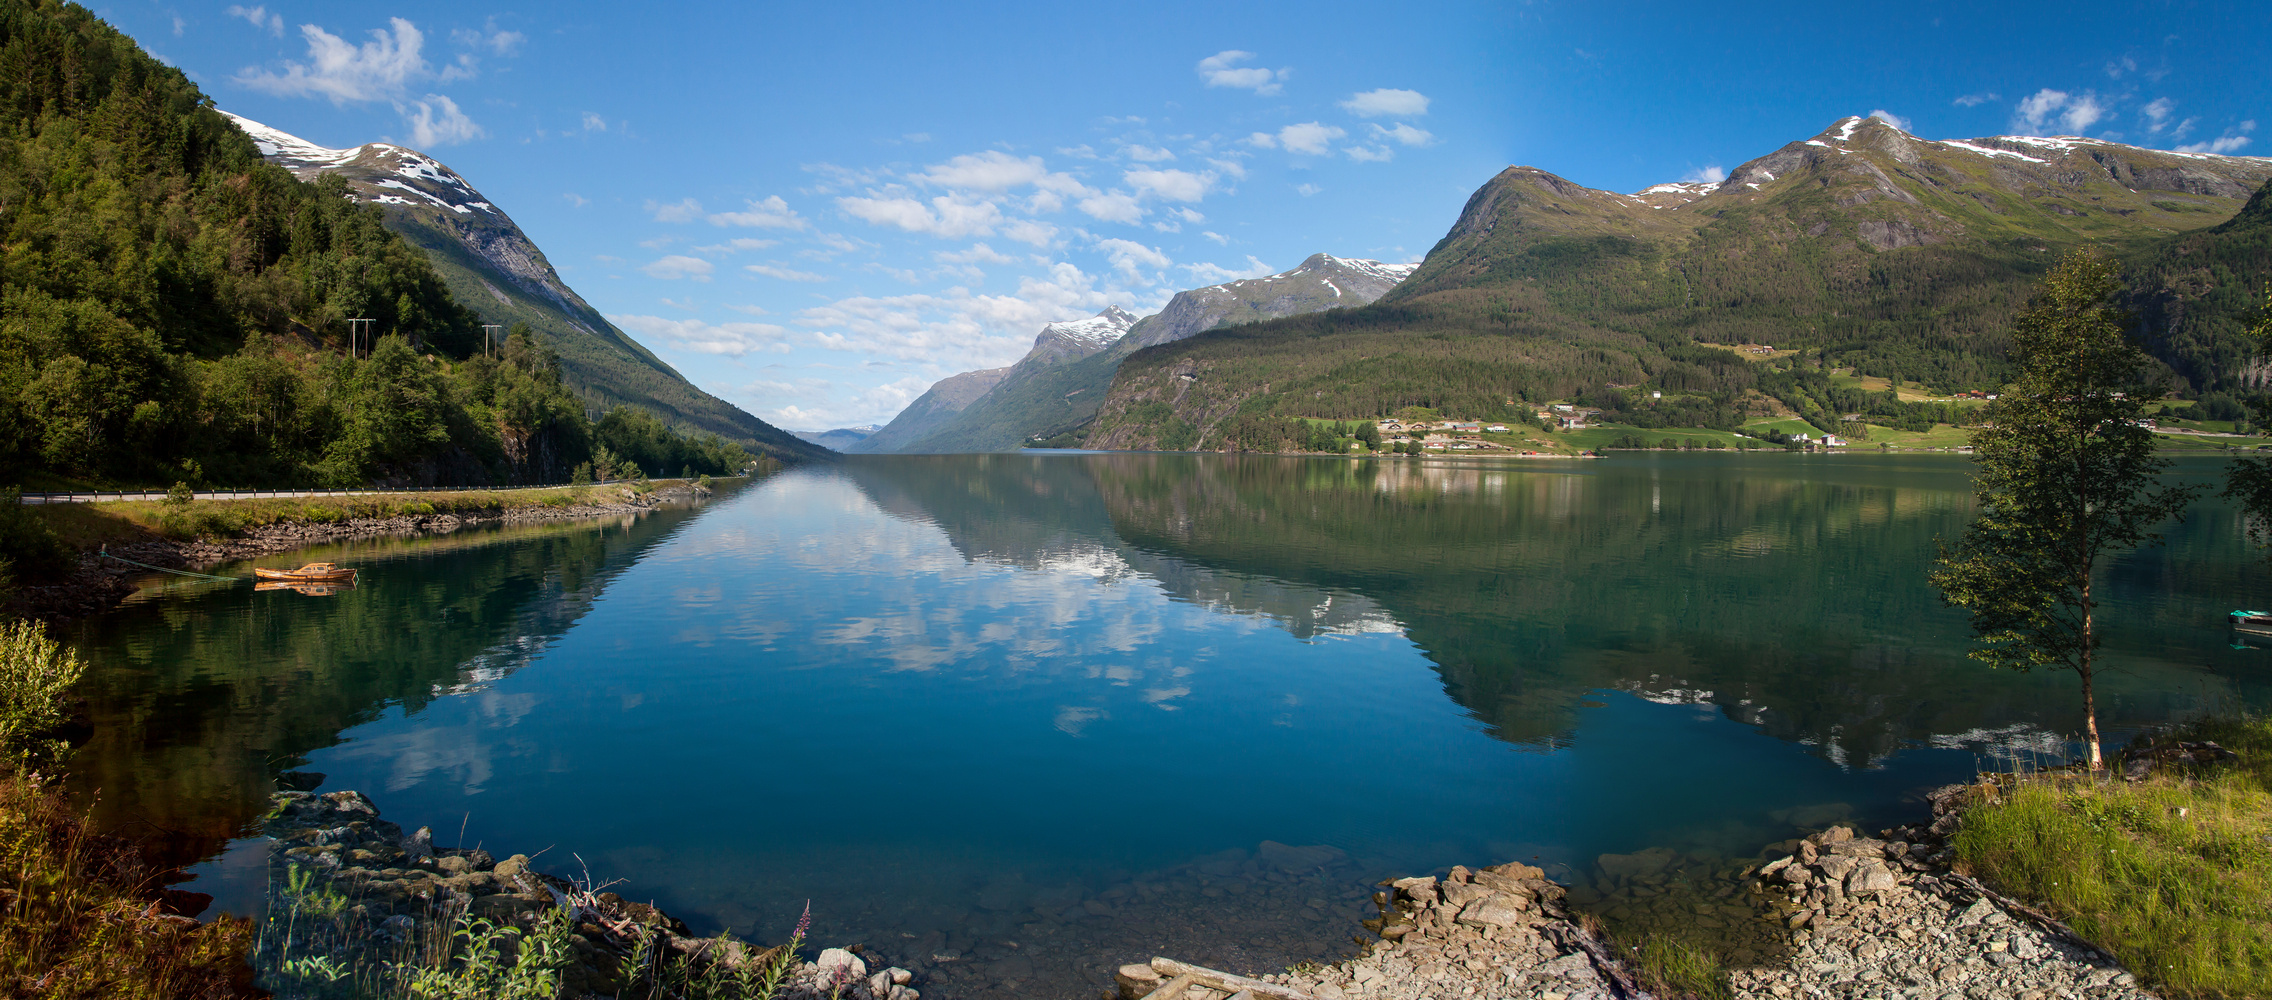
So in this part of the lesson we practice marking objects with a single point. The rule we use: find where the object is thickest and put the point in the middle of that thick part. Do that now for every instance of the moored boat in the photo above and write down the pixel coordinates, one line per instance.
(317, 572)
(2252, 622)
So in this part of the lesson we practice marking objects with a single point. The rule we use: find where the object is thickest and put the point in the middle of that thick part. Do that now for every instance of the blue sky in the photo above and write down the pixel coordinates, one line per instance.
(816, 210)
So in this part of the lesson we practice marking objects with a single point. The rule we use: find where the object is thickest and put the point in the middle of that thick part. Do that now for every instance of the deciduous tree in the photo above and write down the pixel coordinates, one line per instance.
(2066, 476)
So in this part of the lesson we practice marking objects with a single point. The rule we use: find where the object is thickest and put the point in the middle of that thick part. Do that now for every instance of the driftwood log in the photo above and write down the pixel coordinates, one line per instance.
(1173, 989)
(1224, 981)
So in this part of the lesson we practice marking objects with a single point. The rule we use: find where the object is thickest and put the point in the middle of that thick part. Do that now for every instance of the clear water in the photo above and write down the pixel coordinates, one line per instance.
(946, 698)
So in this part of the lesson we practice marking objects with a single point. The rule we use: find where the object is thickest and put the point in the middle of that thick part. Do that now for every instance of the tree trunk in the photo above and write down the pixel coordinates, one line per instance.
(2090, 701)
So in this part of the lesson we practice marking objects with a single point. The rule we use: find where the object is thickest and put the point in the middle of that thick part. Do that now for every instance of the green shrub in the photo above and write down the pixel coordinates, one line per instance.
(36, 675)
(321, 515)
(180, 495)
(416, 508)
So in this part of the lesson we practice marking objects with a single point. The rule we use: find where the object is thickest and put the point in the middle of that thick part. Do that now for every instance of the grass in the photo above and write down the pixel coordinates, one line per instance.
(2173, 875)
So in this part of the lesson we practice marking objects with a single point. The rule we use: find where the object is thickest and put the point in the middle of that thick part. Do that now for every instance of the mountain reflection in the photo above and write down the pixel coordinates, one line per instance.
(198, 698)
(1788, 594)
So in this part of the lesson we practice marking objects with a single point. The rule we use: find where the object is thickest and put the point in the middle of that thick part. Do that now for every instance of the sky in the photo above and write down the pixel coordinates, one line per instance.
(817, 210)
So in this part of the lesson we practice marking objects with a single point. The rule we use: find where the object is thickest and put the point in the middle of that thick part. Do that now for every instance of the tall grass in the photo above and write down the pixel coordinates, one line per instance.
(2173, 874)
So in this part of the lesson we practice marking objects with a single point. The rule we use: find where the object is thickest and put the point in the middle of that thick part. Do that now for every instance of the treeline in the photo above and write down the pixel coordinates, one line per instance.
(173, 308)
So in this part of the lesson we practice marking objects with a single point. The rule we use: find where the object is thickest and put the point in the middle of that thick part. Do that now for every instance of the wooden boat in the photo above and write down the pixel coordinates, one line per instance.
(320, 572)
(2252, 622)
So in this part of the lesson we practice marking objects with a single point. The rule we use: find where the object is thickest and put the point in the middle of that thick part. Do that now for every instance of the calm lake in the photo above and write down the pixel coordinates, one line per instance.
(1008, 717)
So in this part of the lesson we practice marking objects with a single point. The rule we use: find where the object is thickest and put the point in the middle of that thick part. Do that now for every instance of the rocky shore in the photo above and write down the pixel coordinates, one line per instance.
(1834, 914)
(1831, 915)
(96, 584)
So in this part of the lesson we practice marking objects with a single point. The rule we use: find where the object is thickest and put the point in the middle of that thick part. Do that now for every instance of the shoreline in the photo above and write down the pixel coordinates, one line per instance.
(1833, 913)
(93, 584)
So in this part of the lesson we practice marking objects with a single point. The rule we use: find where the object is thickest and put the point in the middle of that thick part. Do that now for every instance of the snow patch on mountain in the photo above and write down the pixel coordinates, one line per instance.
(1089, 335)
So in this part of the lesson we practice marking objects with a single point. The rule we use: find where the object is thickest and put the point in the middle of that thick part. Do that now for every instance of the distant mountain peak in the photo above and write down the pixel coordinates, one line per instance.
(1082, 337)
(406, 176)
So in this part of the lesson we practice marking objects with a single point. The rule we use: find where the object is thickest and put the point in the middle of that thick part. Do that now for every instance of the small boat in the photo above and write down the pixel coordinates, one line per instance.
(320, 572)
(2252, 622)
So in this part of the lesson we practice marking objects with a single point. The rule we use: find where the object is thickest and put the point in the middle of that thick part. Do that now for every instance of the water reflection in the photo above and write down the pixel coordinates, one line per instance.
(955, 699)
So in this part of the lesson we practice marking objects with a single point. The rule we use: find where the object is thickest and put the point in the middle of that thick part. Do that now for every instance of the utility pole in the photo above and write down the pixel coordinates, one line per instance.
(489, 336)
(357, 331)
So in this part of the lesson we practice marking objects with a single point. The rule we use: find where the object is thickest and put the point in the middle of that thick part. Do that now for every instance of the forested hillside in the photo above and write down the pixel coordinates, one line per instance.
(1863, 248)
(173, 305)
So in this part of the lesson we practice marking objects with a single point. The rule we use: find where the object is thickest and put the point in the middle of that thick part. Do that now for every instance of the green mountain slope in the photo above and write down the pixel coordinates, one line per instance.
(493, 268)
(1862, 246)
(1056, 390)
(931, 411)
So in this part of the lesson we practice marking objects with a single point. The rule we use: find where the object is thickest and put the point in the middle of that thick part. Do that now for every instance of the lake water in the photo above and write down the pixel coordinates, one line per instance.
(1014, 719)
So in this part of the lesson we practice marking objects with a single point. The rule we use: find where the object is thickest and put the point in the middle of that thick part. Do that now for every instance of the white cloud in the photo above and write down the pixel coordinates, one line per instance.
(737, 246)
(947, 216)
(684, 211)
(503, 43)
(1220, 239)
(2072, 112)
(436, 121)
(260, 18)
(1146, 154)
(1115, 206)
(576, 199)
(1712, 174)
(988, 171)
(2158, 114)
(1385, 103)
(751, 310)
(1309, 137)
(1039, 234)
(1892, 119)
(1187, 215)
(785, 274)
(1173, 185)
(2234, 139)
(1404, 134)
(1307, 190)
(731, 339)
(957, 330)
(380, 69)
(979, 253)
(1263, 139)
(678, 266)
(1222, 70)
(1130, 258)
(1234, 168)
(1370, 154)
(1216, 274)
(816, 411)
(1975, 100)
(594, 123)
(770, 213)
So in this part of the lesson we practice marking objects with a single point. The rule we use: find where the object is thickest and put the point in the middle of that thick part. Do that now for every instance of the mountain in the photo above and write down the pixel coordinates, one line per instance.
(839, 439)
(1055, 392)
(1862, 247)
(931, 410)
(492, 267)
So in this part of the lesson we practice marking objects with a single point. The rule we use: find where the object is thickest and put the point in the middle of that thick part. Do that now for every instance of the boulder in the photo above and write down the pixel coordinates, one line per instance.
(1871, 876)
(840, 966)
(1495, 910)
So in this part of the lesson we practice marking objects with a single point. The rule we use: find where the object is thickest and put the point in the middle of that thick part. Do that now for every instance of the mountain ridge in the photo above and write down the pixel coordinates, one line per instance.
(492, 267)
(1863, 245)
(1055, 392)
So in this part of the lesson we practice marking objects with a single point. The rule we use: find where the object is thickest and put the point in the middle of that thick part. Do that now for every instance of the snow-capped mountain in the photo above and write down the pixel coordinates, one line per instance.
(493, 268)
(1073, 340)
(1058, 384)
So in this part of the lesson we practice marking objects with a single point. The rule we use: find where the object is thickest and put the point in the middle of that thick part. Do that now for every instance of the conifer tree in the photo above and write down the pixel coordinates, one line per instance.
(2066, 477)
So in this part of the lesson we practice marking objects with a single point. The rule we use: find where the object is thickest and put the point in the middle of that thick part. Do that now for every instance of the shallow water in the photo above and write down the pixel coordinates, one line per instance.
(952, 700)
